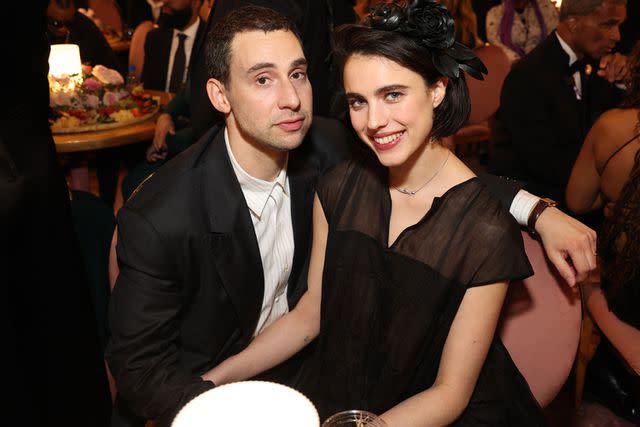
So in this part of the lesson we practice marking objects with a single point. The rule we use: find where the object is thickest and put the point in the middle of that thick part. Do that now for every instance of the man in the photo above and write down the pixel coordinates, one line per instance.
(168, 48)
(214, 246)
(54, 372)
(549, 103)
(66, 25)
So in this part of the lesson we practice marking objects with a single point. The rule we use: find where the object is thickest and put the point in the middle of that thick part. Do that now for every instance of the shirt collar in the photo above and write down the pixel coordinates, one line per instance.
(256, 191)
(190, 31)
(565, 46)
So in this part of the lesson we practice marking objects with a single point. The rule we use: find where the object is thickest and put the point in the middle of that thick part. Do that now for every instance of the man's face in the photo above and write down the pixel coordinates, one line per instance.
(177, 13)
(268, 92)
(59, 20)
(598, 33)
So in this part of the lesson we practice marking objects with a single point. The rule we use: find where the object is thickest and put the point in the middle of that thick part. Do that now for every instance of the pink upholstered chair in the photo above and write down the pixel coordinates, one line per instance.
(485, 97)
(109, 14)
(136, 49)
(540, 325)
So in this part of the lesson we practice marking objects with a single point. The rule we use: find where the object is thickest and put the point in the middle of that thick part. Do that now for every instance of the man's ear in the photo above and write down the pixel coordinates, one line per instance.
(573, 24)
(218, 96)
(439, 90)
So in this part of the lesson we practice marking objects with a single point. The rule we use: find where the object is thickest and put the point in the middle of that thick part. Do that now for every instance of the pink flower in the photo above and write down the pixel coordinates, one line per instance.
(92, 84)
(107, 75)
(109, 98)
(92, 101)
(86, 69)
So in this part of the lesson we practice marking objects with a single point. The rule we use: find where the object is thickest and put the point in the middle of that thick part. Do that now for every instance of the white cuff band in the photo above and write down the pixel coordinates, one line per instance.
(522, 205)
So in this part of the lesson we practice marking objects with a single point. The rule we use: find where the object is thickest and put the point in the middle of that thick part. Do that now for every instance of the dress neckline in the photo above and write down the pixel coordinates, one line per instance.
(435, 205)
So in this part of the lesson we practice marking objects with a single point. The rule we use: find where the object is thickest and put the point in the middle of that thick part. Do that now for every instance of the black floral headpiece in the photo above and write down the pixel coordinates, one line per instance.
(431, 25)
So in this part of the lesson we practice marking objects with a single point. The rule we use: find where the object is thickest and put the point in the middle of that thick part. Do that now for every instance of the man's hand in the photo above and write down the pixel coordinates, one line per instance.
(570, 245)
(158, 149)
(613, 67)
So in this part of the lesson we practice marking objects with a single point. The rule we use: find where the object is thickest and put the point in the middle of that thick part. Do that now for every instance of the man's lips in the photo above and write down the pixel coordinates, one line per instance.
(291, 124)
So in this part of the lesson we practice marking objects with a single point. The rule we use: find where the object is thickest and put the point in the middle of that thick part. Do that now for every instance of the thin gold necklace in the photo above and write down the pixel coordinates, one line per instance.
(413, 192)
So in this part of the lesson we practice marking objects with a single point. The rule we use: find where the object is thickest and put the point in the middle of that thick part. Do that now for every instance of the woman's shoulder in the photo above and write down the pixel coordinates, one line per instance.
(613, 129)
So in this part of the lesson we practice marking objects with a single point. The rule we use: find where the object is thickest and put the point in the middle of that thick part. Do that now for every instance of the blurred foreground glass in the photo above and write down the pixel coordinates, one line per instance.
(354, 418)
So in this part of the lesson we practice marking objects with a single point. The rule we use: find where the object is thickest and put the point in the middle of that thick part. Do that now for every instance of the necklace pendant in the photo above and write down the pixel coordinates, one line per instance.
(406, 191)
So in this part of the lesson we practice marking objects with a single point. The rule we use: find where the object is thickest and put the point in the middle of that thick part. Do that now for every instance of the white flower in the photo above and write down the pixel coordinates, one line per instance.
(107, 75)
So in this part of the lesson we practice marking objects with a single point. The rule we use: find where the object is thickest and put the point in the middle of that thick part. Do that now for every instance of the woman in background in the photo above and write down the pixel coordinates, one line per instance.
(607, 175)
(518, 26)
(466, 22)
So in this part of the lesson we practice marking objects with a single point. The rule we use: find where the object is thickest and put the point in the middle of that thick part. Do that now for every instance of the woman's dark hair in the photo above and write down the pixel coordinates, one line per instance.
(246, 18)
(618, 242)
(420, 37)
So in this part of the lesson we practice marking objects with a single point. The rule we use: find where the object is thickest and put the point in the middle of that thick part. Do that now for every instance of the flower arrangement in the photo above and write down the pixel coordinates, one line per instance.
(97, 97)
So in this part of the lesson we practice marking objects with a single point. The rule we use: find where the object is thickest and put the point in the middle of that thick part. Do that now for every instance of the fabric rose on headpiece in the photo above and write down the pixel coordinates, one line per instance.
(386, 17)
(432, 22)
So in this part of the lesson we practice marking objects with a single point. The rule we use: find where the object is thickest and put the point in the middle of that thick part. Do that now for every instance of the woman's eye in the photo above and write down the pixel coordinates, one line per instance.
(356, 103)
(394, 96)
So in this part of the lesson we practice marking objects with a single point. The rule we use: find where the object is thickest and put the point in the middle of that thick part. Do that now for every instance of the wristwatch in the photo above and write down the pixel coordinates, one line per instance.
(537, 210)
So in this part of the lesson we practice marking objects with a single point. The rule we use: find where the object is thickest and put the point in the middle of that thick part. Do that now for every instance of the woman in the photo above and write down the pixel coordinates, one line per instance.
(465, 20)
(607, 175)
(518, 26)
(410, 256)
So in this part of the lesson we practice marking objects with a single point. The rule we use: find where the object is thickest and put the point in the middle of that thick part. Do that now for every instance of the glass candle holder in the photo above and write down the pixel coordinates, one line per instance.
(354, 418)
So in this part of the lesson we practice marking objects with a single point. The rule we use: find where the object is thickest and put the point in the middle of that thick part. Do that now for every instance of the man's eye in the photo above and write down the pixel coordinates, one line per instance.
(262, 80)
(298, 75)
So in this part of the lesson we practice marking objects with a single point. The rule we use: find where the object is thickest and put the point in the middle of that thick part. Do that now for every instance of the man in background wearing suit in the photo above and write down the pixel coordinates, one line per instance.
(550, 100)
(168, 48)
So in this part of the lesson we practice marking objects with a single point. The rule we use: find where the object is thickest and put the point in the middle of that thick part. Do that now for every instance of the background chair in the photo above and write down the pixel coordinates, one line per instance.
(109, 14)
(485, 99)
(540, 325)
(136, 49)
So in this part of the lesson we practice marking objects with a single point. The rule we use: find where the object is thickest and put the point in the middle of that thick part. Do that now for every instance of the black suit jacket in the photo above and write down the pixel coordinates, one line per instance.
(314, 22)
(540, 125)
(157, 48)
(191, 281)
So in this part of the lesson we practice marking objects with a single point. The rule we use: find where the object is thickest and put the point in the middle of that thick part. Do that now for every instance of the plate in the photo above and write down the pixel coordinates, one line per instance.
(249, 403)
(103, 126)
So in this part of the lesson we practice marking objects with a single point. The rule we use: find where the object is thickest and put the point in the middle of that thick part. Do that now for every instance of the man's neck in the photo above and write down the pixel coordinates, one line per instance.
(564, 33)
(255, 159)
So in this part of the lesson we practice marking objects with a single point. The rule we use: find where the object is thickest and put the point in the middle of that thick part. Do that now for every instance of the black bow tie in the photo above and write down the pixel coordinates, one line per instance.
(577, 66)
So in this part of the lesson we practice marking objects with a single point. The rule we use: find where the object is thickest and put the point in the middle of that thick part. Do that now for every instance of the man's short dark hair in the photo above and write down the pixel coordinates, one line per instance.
(583, 7)
(243, 19)
(64, 4)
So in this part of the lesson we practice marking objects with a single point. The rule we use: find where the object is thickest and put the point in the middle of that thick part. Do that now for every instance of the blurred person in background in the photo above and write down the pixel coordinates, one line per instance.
(55, 374)
(465, 21)
(518, 26)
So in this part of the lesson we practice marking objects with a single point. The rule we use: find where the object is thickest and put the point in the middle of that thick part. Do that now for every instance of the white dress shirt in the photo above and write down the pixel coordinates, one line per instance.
(573, 57)
(270, 208)
(190, 32)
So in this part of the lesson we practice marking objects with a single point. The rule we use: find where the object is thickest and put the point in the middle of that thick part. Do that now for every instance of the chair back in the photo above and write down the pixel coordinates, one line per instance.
(485, 94)
(109, 14)
(136, 49)
(540, 325)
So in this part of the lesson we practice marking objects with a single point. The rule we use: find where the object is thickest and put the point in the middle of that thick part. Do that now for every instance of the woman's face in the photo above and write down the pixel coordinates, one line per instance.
(391, 107)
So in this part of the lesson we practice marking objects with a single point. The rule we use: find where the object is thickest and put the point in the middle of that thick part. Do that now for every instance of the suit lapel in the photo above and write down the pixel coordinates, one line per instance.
(164, 52)
(233, 242)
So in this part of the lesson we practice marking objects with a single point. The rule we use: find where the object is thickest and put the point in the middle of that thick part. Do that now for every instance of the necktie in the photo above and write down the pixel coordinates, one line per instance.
(578, 66)
(179, 62)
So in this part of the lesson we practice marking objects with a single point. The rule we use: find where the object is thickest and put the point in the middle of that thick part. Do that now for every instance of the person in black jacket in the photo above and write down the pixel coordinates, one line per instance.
(55, 371)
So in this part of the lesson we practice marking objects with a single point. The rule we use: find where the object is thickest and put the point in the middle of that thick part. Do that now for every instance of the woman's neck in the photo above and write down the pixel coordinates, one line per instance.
(420, 167)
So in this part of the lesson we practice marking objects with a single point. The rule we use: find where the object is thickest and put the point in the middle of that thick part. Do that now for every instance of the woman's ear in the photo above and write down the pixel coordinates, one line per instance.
(438, 91)
(218, 96)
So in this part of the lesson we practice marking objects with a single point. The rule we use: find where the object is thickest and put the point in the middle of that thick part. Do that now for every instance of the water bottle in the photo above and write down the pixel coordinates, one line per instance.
(132, 80)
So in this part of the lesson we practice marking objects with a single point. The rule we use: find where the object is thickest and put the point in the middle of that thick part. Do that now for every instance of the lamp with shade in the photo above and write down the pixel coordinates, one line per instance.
(65, 67)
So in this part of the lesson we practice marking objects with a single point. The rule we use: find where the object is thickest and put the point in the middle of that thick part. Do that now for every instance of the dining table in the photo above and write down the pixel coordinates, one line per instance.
(79, 143)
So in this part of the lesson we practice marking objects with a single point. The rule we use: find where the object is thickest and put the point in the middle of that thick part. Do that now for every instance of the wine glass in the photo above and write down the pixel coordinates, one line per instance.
(354, 418)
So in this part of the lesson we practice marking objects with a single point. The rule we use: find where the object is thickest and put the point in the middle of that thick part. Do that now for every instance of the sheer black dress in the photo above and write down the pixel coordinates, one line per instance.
(386, 311)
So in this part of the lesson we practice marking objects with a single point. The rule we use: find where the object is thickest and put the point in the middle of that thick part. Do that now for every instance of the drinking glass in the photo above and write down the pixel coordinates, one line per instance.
(354, 418)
